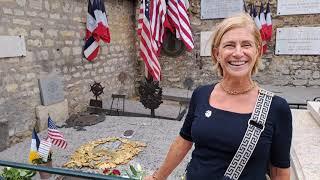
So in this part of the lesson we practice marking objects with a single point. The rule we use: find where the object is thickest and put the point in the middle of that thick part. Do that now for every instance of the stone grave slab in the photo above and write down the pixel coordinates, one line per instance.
(314, 108)
(305, 145)
(58, 113)
(51, 89)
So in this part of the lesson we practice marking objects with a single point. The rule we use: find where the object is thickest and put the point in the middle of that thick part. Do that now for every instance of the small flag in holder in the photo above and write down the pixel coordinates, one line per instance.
(44, 149)
(55, 135)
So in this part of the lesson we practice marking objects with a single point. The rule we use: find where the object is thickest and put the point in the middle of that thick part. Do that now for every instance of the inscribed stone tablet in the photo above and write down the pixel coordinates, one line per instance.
(12, 46)
(213, 9)
(286, 7)
(205, 43)
(51, 90)
(298, 40)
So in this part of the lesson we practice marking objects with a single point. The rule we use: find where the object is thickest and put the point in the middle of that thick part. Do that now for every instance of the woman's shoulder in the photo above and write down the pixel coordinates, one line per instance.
(280, 105)
(204, 88)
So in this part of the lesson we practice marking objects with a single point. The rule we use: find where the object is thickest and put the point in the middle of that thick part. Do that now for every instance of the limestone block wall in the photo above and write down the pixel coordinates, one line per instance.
(295, 70)
(54, 32)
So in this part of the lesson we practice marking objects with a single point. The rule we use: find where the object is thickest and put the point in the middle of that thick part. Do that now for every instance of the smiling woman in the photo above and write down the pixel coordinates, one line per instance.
(238, 128)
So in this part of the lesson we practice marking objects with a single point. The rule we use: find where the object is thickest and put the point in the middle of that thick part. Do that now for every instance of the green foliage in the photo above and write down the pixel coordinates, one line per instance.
(17, 174)
(136, 173)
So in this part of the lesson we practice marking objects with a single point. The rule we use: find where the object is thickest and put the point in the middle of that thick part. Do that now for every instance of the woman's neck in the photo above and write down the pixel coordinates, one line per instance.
(237, 86)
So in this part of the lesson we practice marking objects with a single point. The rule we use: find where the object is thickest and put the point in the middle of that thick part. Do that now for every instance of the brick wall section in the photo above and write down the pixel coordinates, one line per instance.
(54, 32)
(277, 70)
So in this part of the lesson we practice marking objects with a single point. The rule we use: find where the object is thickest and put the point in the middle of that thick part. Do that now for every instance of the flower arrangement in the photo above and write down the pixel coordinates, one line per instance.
(36, 159)
(134, 172)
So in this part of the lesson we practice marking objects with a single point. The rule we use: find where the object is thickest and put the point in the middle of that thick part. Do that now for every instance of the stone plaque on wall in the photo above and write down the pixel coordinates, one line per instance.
(51, 90)
(298, 41)
(12, 46)
(214, 9)
(205, 43)
(286, 7)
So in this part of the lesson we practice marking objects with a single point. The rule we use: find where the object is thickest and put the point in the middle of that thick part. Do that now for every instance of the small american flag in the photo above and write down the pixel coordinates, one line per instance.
(44, 149)
(55, 135)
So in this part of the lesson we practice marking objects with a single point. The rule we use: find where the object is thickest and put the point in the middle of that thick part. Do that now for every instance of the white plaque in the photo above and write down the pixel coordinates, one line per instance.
(287, 7)
(213, 9)
(205, 43)
(12, 46)
(298, 40)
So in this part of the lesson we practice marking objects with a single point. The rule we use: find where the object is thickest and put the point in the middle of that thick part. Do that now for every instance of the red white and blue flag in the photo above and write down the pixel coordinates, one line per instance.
(259, 26)
(97, 28)
(149, 47)
(178, 17)
(55, 135)
(264, 29)
(44, 149)
(269, 23)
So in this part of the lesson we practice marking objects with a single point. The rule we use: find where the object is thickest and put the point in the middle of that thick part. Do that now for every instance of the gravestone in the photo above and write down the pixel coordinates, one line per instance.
(4, 134)
(51, 89)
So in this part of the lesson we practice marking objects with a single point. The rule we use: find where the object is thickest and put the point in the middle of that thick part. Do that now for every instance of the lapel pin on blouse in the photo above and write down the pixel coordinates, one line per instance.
(208, 113)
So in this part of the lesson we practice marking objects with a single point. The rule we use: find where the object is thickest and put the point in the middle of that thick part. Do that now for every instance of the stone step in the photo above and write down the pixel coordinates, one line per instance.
(305, 145)
(314, 108)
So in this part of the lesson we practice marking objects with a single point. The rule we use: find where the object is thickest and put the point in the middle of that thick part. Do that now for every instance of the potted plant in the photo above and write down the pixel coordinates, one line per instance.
(17, 174)
(42, 162)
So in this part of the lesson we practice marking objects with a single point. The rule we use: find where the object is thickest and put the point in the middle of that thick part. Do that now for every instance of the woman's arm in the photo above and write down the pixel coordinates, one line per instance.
(178, 150)
(279, 173)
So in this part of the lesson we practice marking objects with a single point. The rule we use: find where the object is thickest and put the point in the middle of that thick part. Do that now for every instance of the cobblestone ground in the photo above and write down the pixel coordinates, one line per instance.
(156, 133)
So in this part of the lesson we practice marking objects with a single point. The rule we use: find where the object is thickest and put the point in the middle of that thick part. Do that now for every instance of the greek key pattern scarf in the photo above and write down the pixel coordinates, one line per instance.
(256, 125)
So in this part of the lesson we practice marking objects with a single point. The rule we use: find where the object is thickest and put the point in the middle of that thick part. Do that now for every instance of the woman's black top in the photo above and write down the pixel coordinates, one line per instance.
(218, 137)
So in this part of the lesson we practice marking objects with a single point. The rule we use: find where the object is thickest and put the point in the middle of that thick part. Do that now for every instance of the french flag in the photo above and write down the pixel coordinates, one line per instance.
(269, 22)
(97, 28)
(264, 28)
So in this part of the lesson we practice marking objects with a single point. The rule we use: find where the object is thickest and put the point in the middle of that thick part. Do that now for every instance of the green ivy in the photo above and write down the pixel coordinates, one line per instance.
(17, 174)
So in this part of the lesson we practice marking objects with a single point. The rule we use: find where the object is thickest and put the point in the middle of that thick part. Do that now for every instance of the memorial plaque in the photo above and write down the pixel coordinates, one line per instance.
(298, 40)
(286, 7)
(205, 43)
(12, 46)
(51, 90)
(214, 9)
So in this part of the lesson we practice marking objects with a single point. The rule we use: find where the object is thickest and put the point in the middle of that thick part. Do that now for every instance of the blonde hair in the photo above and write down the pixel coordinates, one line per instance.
(238, 21)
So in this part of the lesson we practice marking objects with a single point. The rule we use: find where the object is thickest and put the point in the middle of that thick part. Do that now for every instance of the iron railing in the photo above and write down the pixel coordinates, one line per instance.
(60, 171)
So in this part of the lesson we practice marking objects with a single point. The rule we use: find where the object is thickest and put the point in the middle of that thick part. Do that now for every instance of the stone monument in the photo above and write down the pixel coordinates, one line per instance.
(53, 101)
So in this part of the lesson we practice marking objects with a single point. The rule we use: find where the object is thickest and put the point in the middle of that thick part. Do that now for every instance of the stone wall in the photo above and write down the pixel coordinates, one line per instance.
(54, 32)
(277, 69)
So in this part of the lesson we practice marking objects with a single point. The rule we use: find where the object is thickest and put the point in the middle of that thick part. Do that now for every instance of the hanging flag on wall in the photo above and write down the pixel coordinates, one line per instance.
(97, 28)
(178, 17)
(55, 135)
(263, 30)
(269, 23)
(149, 48)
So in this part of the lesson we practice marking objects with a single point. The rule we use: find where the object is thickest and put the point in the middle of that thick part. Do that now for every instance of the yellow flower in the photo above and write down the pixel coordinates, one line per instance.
(33, 155)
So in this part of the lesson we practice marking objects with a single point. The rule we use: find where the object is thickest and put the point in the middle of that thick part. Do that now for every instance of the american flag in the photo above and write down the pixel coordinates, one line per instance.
(157, 20)
(97, 28)
(149, 48)
(55, 135)
(44, 149)
(178, 17)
